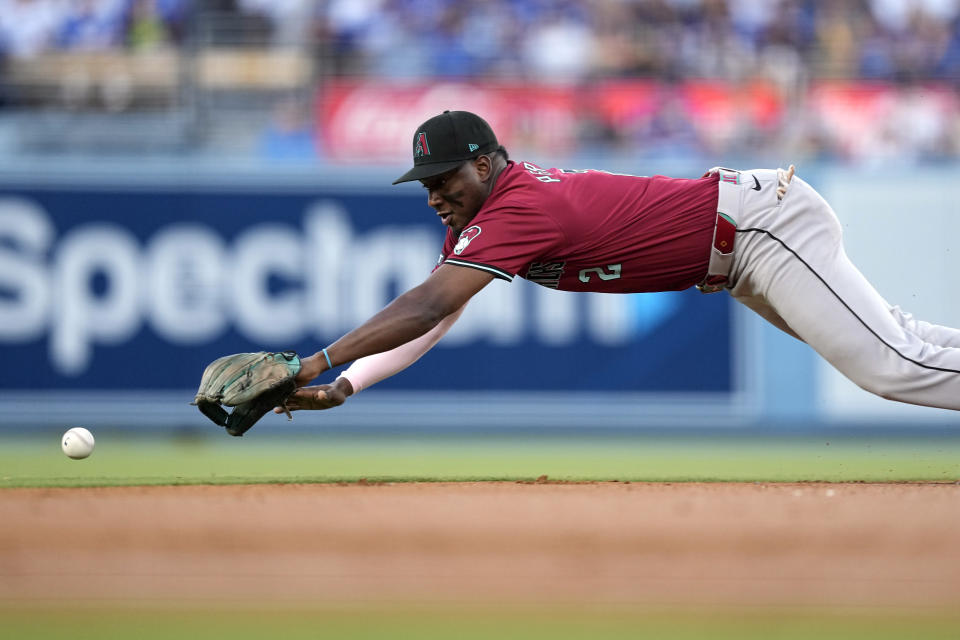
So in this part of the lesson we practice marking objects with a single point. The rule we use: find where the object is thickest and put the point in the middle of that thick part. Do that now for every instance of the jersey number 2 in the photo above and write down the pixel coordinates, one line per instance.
(612, 274)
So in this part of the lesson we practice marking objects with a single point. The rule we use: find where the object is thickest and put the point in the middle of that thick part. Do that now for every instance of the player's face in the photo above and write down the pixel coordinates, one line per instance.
(456, 195)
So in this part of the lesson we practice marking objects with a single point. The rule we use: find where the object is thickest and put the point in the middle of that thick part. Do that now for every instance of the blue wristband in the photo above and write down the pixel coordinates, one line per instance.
(327, 356)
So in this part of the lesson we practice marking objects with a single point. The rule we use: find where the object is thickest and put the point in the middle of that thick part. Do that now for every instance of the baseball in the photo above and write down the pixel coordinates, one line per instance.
(77, 443)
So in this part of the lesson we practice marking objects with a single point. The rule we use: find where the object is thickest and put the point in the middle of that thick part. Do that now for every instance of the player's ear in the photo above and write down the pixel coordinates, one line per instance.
(484, 167)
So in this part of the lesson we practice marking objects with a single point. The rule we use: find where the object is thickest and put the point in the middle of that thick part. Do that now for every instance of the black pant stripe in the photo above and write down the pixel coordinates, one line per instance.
(844, 303)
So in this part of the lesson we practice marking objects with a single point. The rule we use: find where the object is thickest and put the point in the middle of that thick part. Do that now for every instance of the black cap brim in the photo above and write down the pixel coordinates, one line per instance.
(421, 171)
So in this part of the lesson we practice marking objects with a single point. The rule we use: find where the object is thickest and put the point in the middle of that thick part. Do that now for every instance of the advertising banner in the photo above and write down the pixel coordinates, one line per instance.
(370, 122)
(105, 289)
(113, 293)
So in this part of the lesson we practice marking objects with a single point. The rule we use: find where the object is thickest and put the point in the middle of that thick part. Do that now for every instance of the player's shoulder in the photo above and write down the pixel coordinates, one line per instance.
(523, 181)
(532, 173)
(577, 177)
(517, 193)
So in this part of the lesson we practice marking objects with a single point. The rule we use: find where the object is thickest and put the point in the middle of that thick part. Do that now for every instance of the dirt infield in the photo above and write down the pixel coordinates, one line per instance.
(783, 544)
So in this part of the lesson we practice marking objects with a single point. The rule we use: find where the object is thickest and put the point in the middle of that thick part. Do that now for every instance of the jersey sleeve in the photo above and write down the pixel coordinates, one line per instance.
(448, 242)
(505, 240)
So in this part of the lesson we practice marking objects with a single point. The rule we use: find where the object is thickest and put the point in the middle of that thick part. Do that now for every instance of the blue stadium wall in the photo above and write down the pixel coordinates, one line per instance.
(116, 289)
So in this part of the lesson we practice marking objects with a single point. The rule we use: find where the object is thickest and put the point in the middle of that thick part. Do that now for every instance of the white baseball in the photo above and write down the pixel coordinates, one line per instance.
(77, 443)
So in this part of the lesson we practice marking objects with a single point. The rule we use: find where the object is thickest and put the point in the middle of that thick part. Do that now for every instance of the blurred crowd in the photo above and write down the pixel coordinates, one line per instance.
(889, 39)
(543, 39)
(791, 44)
(31, 27)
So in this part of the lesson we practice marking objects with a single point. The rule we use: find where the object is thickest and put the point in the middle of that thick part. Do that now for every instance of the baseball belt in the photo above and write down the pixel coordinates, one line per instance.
(724, 233)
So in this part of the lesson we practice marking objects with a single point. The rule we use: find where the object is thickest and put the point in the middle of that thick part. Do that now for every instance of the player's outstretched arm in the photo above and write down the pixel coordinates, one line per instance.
(367, 371)
(407, 318)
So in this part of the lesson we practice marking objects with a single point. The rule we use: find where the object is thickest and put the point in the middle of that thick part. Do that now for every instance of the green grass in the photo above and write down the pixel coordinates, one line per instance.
(119, 460)
(428, 623)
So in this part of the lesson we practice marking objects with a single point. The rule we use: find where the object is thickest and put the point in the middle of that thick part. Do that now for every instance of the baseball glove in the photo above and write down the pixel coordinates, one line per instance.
(252, 383)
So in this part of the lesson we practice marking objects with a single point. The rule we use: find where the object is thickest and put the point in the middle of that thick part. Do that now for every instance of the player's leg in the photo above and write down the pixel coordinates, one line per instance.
(925, 331)
(932, 333)
(762, 308)
(793, 261)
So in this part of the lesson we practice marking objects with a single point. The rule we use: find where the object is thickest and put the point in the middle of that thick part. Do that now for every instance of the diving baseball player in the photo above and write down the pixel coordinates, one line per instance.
(763, 235)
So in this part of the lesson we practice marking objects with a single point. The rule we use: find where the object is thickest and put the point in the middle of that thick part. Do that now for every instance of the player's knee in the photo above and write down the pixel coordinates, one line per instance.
(888, 387)
(858, 366)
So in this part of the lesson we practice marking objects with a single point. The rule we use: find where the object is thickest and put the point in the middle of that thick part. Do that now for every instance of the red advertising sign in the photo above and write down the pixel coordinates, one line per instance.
(374, 122)
(364, 121)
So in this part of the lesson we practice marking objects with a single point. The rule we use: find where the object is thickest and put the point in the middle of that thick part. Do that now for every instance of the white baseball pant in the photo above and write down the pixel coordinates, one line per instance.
(790, 267)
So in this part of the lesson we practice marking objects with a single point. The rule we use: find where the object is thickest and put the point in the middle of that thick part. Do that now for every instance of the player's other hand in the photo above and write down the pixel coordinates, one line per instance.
(321, 396)
(784, 176)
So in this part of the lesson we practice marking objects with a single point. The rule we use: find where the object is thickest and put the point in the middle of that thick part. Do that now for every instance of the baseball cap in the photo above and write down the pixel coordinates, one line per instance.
(445, 141)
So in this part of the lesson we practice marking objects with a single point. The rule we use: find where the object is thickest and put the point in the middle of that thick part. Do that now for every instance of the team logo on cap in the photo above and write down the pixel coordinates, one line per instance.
(466, 238)
(421, 148)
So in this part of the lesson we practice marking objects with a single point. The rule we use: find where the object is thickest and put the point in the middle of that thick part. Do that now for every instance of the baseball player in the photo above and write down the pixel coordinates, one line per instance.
(765, 236)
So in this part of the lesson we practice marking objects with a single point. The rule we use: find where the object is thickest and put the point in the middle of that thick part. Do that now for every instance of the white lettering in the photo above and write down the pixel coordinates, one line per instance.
(329, 237)
(388, 262)
(269, 255)
(276, 284)
(556, 319)
(609, 318)
(24, 289)
(613, 274)
(540, 174)
(85, 315)
(185, 283)
(496, 314)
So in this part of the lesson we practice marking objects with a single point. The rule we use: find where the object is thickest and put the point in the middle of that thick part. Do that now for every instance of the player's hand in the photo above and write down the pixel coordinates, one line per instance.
(784, 176)
(709, 171)
(318, 397)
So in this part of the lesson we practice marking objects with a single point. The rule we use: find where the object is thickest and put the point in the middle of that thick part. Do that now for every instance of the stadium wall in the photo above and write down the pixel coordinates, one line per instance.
(118, 284)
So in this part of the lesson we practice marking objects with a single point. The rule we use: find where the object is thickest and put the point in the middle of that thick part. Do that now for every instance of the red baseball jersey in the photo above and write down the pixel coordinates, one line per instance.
(589, 230)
